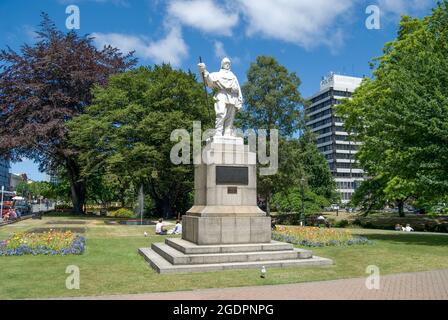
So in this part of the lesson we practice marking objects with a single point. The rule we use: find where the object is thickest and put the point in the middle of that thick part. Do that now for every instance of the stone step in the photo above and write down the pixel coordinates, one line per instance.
(177, 257)
(161, 265)
(188, 247)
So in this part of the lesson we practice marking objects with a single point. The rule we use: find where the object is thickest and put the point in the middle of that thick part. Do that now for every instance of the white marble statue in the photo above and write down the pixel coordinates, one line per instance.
(228, 97)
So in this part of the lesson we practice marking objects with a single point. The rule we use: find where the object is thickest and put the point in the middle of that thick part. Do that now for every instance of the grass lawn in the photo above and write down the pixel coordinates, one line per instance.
(111, 264)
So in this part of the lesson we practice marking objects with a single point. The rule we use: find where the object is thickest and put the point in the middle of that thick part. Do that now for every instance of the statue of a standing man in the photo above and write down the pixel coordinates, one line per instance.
(228, 97)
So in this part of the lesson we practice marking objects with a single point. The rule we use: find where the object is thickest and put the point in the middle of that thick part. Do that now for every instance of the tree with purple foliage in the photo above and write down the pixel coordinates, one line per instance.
(45, 85)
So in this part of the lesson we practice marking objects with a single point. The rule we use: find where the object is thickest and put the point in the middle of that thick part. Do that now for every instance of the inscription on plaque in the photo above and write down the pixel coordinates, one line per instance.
(232, 190)
(232, 175)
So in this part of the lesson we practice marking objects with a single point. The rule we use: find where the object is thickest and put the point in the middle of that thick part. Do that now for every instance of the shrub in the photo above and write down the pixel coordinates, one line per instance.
(341, 223)
(64, 206)
(122, 213)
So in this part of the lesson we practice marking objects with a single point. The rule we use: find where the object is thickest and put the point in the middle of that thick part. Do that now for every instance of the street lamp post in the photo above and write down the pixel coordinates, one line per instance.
(302, 213)
(141, 203)
(1, 205)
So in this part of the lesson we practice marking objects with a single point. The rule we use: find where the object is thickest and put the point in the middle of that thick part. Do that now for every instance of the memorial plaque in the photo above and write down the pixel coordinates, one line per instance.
(232, 190)
(232, 175)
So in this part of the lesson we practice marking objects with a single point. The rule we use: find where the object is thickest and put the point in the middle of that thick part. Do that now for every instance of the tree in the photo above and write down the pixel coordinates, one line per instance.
(23, 189)
(400, 115)
(370, 194)
(273, 101)
(271, 98)
(317, 172)
(291, 201)
(36, 189)
(43, 87)
(300, 159)
(126, 132)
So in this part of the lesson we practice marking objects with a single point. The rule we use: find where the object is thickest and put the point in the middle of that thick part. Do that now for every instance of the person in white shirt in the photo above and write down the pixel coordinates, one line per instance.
(159, 227)
(177, 228)
(408, 228)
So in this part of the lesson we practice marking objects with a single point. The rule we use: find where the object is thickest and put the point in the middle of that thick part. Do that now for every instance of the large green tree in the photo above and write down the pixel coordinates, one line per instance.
(401, 114)
(271, 98)
(36, 189)
(273, 101)
(41, 88)
(302, 167)
(126, 132)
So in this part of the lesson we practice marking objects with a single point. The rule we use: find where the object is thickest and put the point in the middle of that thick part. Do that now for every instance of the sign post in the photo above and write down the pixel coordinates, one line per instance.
(1, 205)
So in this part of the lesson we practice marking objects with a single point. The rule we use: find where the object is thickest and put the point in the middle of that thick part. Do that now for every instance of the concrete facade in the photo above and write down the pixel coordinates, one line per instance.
(225, 213)
(4, 173)
(226, 230)
(332, 139)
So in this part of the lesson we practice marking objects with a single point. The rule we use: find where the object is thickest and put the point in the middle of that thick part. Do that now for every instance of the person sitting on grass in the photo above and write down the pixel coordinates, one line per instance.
(398, 227)
(177, 228)
(160, 230)
(408, 228)
(273, 224)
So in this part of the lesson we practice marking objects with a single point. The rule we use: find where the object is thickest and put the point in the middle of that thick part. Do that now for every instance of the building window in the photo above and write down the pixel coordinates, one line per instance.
(320, 123)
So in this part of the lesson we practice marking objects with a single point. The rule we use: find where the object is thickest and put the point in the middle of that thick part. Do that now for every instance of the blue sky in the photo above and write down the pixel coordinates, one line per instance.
(310, 37)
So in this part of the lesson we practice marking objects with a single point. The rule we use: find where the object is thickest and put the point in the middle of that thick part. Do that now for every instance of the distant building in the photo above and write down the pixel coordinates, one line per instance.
(53, 177)
(15, 179)
(4, 173)
(332, 139)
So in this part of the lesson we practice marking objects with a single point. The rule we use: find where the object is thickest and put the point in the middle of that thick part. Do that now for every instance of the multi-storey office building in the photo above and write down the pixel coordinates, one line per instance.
(332, 139)
(4, 173)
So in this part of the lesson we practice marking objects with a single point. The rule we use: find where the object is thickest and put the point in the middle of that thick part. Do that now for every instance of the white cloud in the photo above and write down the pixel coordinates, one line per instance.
(126, 43)
(204, 15)
(30, 32)
(121, 3)
(171, 49)
(220, 53)
(307, 23)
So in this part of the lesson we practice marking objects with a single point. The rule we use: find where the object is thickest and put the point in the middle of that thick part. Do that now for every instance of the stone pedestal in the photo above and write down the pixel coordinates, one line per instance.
(225, 207)
(225, 229)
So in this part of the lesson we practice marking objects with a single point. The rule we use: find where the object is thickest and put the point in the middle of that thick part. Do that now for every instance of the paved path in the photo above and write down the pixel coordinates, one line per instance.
(419, 285)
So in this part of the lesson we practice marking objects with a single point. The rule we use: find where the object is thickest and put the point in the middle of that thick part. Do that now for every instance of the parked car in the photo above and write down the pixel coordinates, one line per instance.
(21, 206)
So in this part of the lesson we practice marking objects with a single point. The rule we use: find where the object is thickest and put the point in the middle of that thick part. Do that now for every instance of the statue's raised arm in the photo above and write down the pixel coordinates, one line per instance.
(228, 97)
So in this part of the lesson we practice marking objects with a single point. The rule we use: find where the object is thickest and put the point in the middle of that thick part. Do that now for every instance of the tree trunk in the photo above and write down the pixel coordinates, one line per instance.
(401, 208)
(122, 202)
(268, 204)
(167, 210)
(164, 208)
(77, 187)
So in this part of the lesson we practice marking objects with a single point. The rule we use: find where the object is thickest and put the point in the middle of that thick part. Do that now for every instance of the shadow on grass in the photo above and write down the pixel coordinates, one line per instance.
(70, 215)
(42, 230)
(412, 239)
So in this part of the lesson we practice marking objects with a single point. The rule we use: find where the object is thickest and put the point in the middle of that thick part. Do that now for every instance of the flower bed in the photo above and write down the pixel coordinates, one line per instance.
(47, 243)
(317, 237)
